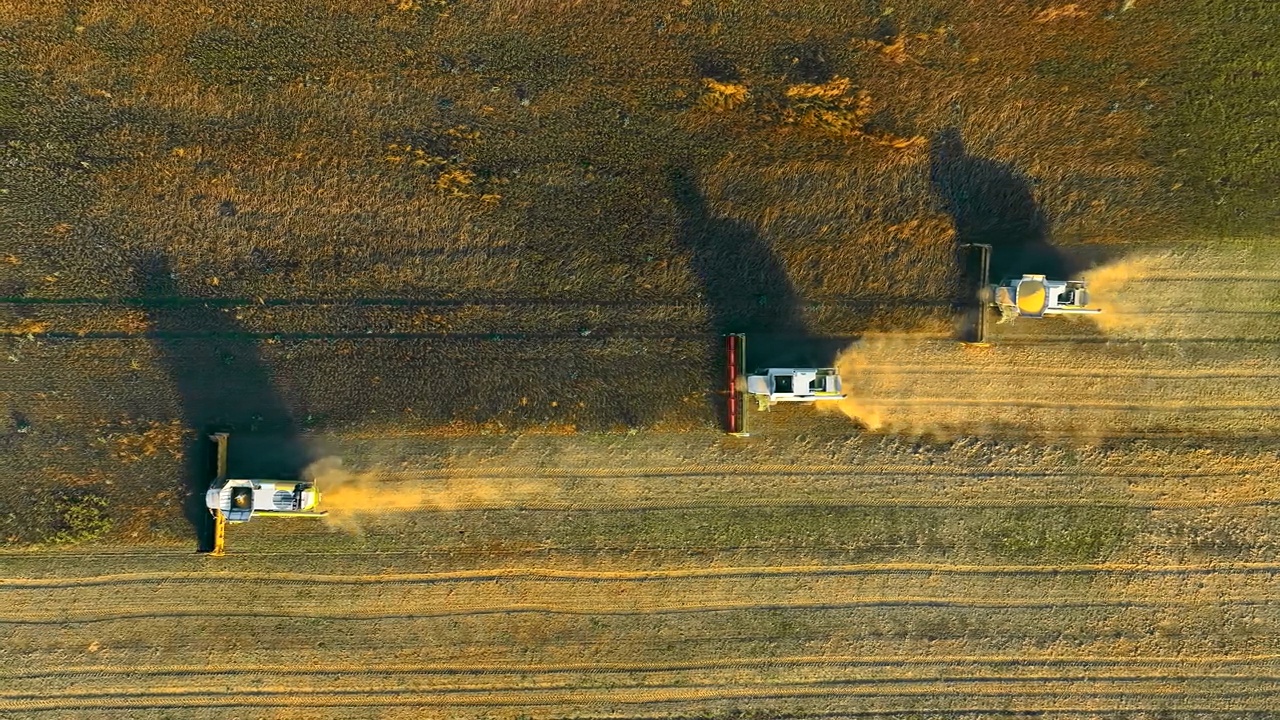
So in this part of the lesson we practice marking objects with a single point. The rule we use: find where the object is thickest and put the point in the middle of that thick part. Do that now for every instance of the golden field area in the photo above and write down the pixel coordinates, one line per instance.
(468, 265)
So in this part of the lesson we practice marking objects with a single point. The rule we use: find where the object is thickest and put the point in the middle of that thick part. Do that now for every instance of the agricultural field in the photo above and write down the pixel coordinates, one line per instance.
(469, 264)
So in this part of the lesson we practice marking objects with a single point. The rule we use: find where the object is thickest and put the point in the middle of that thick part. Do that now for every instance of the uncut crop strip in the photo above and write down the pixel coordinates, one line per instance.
(393, 317)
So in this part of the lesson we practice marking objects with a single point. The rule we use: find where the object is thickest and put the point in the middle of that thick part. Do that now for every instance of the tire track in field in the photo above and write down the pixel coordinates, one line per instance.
(476, 555)
(1123, 693)
(1021, 661)
(684, 609)
(174, 691)
(688, 573)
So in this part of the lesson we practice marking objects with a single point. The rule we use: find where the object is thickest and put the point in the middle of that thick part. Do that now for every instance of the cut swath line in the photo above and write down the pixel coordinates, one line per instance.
(1127, 694)
(538, 573)
(644, 611)
(1096, 372)
(1030, 660)
(1167, 405)
(906, 503)
(762, 470)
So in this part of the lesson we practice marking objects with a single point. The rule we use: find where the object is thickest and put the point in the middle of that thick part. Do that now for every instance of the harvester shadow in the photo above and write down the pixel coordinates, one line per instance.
(222, 384)
(746, 290)
(993, 203)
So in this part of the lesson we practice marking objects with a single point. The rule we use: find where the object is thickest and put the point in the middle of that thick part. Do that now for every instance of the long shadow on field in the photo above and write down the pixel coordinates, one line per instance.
(746, 289)
(992, 202)
(223, 384)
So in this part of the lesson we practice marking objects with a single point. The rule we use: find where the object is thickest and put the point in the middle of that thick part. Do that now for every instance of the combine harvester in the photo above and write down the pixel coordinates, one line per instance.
(233, 500)
(1030, 296)
(1035, 296)
(772, 385)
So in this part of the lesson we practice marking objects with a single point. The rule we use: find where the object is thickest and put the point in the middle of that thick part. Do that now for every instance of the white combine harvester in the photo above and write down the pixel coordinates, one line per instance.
(1029, 296)
(775, 385)
(1035, 296)
(236, 500)
(772, 385)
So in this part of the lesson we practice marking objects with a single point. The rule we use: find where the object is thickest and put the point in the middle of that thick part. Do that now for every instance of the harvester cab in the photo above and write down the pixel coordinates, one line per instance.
(239, 500)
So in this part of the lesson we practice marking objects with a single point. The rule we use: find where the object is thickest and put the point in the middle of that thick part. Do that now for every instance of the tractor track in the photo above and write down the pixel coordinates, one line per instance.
(624, 686)
(53, 620)
(1111, 694)
(545, 574)
(1024, 661)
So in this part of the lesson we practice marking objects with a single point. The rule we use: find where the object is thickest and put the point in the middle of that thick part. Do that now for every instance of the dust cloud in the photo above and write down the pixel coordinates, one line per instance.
(1188, 294)
(881, 377)
(927, 387)
(356, 498)
(1131, 295)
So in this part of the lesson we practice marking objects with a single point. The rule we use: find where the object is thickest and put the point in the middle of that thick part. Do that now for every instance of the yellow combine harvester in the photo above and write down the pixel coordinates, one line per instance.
(1029, 296)
(233, 500)
(1035, 296)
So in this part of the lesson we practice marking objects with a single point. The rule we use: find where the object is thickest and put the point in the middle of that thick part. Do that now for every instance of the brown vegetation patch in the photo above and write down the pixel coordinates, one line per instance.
(132, 441)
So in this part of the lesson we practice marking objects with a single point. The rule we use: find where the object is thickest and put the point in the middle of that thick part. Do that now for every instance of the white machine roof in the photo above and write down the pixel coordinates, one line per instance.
(268, 496)
(796, 384)
(1037, 296)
